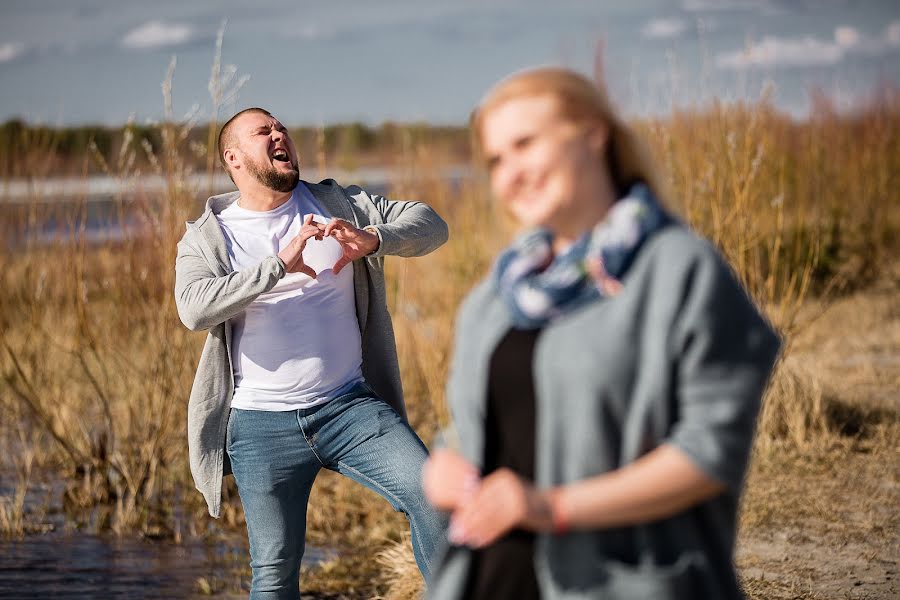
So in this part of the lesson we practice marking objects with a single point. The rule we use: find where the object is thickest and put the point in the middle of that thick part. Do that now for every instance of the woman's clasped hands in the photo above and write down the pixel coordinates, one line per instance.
(484, 509)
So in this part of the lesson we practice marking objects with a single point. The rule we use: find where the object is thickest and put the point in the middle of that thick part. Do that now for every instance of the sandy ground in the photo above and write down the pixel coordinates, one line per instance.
(824, 522)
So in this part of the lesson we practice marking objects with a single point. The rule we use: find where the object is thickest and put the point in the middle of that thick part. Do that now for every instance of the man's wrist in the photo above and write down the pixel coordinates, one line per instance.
(282, 265)
(373, 231)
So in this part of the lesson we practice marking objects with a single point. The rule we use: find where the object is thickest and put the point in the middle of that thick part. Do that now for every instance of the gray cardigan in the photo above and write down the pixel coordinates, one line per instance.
(208, 292)
(679, 356)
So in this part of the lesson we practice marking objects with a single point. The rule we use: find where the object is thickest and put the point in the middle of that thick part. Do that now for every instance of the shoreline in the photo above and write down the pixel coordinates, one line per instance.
(96, 188)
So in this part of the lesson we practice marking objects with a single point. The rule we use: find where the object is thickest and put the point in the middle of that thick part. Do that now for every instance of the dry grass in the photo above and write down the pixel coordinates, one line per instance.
(94, 361)
(399, 572)
(819, 517)
(841, 377)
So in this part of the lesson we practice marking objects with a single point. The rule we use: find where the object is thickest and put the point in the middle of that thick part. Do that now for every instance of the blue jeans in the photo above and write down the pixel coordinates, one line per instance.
(275, 457)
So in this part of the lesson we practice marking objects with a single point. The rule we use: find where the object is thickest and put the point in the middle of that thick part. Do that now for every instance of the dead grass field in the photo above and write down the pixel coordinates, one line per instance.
(821, 520)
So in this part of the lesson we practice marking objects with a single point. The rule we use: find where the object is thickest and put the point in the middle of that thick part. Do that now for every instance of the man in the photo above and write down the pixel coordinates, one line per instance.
(299, 370)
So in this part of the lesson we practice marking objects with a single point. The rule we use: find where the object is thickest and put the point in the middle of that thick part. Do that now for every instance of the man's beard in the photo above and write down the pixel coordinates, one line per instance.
(272, 178)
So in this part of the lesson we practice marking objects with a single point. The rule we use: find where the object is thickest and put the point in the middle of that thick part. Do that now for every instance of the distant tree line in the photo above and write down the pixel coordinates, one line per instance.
(28, 150)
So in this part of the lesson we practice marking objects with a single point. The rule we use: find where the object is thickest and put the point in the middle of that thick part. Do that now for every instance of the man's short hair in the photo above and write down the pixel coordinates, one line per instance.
(226, 136)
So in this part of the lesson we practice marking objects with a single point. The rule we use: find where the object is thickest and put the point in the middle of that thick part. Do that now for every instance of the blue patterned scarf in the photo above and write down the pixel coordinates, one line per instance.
(538, 286)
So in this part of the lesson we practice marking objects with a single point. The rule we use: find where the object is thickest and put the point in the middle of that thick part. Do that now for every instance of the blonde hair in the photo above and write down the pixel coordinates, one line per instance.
(582, 102)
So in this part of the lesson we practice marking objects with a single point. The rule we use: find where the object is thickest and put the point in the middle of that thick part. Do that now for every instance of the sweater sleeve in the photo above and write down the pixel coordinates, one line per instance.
(466, 405)
(204, 299)
(409, 228)
(725, 352)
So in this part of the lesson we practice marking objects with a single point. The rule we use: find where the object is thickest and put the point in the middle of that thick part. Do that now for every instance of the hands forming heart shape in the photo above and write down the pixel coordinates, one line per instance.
(355, 243)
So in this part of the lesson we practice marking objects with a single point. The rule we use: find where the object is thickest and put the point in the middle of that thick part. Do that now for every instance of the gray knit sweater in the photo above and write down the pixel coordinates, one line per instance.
(679, 356)
(208, 292)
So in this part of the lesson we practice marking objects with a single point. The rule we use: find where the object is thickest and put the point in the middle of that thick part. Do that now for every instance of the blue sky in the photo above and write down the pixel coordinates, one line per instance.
(103, 61)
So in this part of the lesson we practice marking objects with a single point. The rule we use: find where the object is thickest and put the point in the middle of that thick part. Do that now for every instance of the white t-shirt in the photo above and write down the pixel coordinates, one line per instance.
(297, 345)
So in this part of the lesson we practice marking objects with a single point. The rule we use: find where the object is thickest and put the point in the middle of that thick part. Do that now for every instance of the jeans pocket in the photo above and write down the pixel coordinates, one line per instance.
(368, 388)
(229, 429)
(654, 582)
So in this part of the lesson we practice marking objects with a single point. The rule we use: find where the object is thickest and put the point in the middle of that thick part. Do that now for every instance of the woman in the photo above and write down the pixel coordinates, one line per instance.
(606, 378)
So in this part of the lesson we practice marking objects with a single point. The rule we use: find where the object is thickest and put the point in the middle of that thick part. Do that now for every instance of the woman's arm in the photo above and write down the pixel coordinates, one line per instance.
(660, 484)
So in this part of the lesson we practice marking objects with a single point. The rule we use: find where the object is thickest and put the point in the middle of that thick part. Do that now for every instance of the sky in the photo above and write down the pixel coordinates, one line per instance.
(66, 62)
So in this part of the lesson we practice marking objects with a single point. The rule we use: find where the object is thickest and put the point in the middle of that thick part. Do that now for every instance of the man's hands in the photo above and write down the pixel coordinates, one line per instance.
(355, 243)
(292, 255)
(483, 509)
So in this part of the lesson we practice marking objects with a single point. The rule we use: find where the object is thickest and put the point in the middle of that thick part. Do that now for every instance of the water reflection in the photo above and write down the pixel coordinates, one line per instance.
(62, 565)
(40, 212)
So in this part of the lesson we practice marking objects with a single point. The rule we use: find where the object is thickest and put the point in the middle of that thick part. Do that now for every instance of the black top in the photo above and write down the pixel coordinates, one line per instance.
(505, 569)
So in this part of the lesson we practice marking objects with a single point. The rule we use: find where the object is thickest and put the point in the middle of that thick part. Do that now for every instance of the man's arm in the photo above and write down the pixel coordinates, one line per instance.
(204, 299)
(409, 228)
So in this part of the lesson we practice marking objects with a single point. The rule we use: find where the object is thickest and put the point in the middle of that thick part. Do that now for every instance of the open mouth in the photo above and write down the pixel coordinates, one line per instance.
(280, 155)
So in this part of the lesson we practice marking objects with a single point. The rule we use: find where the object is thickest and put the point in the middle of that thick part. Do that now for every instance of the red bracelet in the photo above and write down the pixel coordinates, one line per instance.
(558, 516)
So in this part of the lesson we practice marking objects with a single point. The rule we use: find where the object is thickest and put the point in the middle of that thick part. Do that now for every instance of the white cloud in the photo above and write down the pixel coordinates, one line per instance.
(310, 32)
(155, 34)
(892, 34)
(794, 52)
(851, 40)
(808, 51)
(709, 5)
(663, 28)
(706, 24)
(313, 32)
(846, 36)
(874, 45)
(10, 50)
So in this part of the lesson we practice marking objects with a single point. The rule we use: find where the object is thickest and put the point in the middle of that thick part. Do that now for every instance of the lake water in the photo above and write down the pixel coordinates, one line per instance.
(58, 562)
(61, 565)
(103, 209)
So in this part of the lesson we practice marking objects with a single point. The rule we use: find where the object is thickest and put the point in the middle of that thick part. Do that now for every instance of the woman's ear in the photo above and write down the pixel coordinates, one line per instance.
(597, 136)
